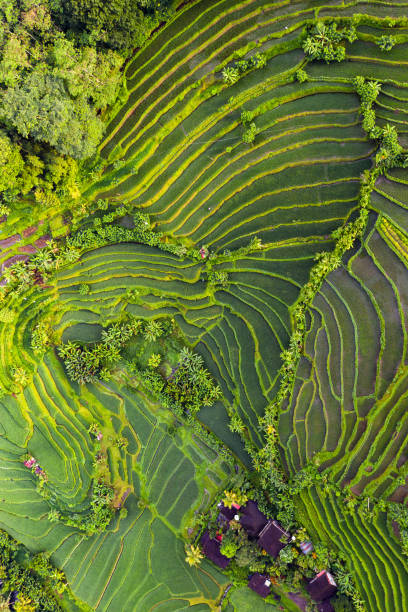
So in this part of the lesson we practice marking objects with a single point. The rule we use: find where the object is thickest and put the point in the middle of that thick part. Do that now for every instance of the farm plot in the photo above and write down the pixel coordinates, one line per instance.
(138, 563)
(177, 149)
(240, 329)
(373, 553)
(348, 406)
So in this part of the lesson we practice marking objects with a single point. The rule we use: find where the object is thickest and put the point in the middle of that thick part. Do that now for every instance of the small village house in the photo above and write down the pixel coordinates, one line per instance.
(270, 538)
(260, 584)
(252, 519)
(322, 586)
(211, 549)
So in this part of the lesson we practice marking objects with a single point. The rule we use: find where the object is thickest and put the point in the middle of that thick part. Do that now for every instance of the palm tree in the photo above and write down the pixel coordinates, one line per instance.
(153, 330)
(43, 260)
(193, 555)
(20, 376)
(24, 604)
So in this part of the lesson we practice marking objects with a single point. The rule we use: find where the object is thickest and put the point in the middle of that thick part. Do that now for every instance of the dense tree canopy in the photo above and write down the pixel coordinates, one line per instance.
(59, 69)
(120, 24)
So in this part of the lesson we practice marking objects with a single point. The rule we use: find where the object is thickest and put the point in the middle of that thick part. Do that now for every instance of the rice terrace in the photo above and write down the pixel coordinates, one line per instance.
(204, 305)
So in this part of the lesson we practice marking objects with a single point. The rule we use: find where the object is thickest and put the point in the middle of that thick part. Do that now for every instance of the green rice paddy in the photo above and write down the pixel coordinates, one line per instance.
(174, 150)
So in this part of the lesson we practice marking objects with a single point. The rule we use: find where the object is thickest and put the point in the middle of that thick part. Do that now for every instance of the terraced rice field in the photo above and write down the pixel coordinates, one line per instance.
(138, 563)
(174, 149)
(374, 553)
(348, 404)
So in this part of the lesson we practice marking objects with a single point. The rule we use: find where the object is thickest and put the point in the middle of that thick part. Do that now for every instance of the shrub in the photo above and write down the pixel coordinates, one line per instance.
(84, 289)
(258, 60)
(301, 75)
(191, 384)
(20, 376)
(249, 135)
(367, 90)
(229, 548)
(246, 116)
(153, 330)
(288, 554)
(217, 278)
(41, 337)
(154, 360)
(234, 497)
(390, 152)
(386, 43)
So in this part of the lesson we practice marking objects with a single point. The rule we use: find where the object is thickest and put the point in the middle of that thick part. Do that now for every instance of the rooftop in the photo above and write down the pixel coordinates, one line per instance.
(322, 586)
(226, 513)
(211, 549)
(260, 584)
(270, 536)
(325, 606)
(252, 519)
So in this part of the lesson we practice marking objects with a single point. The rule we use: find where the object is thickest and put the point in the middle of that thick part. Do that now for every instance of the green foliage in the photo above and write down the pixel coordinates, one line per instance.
(193, 555)
(119, 24)
(217, 278)
(53, 87)
(246, 116)
(32, 576)
(111, 234)
(390, 152)
(42, 337)
(236, 496)
(229, 548)
(191, 384)
(230, 75)
(367, 90)
(84, 289)
(324, 41)
(7, 315)
(249, 135)
(20, 376)
(288, 554)
(386, 42)
(86, 364)
(41, 109)
(153, 330)
(154, 360)
(301, 75)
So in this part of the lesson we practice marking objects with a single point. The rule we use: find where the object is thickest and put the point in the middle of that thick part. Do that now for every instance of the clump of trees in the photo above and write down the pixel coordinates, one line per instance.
(35, 580)
(324, 41)
(119, 24)
(87, 364)
(390, 152)
(60, 67)
(232, 74)
(191, 384)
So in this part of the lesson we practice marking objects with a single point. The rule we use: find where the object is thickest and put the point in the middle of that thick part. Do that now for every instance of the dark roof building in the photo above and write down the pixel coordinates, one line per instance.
(322, 586)
(211, 549)
(270, 538)
(252, 519)
(325, 606)
(260, 584)
(226, 513)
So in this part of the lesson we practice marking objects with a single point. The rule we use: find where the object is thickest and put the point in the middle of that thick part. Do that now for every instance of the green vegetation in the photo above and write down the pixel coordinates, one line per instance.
(38, 583)
(204, 255)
